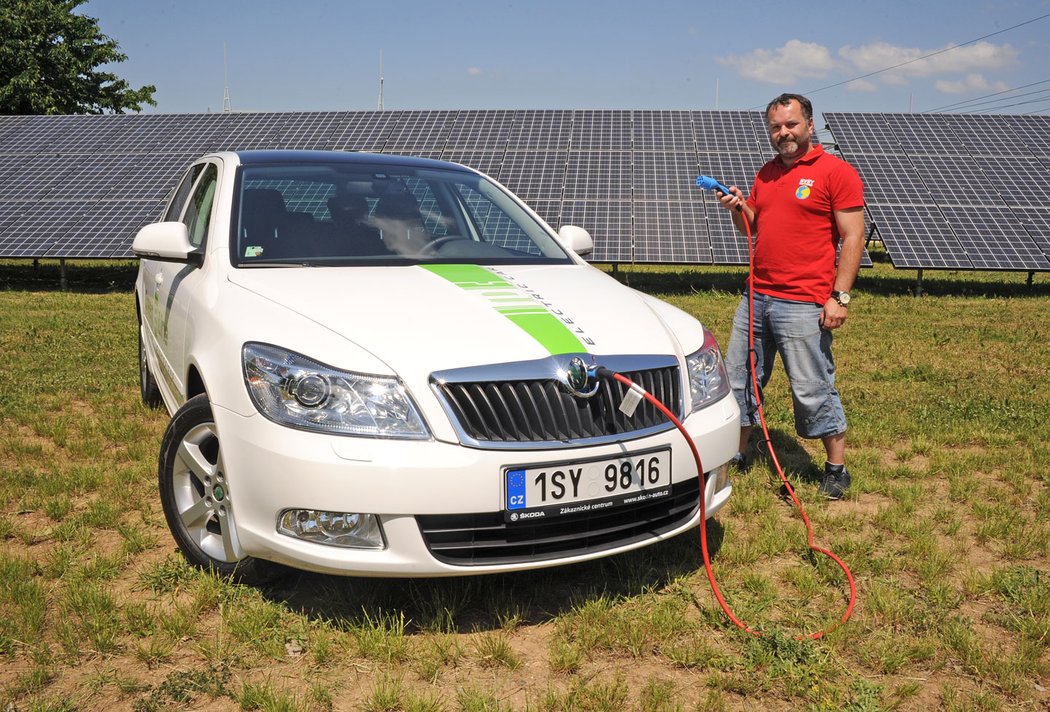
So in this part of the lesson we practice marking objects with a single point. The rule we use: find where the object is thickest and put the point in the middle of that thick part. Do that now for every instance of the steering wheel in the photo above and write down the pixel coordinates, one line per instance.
(431, 247)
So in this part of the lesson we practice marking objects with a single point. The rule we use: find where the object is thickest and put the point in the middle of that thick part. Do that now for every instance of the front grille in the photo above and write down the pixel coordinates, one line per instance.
(541, 411)
(485, 539)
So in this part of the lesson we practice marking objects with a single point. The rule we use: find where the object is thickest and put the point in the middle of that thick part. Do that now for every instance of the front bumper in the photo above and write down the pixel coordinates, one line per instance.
(270, 468)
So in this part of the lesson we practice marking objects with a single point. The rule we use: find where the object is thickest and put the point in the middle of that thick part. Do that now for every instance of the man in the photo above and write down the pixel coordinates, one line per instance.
(802, 203)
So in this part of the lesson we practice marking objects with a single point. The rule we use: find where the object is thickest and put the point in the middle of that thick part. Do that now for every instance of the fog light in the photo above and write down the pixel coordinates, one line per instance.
(721, 475)
(347, 529)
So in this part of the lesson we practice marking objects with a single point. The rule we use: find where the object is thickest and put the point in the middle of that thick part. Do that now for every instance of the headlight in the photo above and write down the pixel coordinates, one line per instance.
(708, 380)
(291, 389)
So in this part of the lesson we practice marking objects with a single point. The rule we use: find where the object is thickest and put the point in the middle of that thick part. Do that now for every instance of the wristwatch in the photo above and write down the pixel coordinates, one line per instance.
(841, 297)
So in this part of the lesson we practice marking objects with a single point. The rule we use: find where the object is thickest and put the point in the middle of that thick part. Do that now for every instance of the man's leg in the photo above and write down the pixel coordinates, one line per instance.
(806, 350)
(835, 447)
(738, 365)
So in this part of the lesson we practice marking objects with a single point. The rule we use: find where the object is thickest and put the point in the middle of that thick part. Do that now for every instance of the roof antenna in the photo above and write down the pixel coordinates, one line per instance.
(380, 80)
(226, 106)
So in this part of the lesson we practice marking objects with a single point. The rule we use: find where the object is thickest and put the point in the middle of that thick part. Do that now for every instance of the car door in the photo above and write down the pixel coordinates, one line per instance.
(173, 284)
(151, 306)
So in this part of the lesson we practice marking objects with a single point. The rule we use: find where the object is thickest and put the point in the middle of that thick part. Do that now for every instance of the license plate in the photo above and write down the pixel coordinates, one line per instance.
(553, 490)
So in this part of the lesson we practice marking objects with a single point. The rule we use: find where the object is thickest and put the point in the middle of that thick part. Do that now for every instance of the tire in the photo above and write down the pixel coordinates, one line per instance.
(196, 499)
(147, 383)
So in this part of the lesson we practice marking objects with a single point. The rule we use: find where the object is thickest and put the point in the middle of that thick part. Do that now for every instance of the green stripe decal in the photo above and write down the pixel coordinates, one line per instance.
(534, 319)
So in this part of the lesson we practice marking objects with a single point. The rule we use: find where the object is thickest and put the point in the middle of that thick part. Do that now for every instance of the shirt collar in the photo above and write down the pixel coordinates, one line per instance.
(813, 154)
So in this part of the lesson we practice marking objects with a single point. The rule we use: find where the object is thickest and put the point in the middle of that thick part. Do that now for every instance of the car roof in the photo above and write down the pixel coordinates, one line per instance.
(350, 157)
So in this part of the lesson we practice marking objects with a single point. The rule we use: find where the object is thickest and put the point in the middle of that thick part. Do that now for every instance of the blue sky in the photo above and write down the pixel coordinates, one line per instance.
(312, 55)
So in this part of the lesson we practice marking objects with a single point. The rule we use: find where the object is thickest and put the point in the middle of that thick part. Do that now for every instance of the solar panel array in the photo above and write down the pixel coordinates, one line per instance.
(81, 186)
(954, 191)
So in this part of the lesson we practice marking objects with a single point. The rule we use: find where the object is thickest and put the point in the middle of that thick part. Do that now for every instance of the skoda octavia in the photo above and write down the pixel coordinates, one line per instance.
(391, 366)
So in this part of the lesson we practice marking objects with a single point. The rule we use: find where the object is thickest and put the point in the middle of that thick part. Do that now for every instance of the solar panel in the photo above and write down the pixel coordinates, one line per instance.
(488, 162)
(729, 132)
(609, 223)
(671, 231)
(863, 133)
(606, 175)
(10, 124)
(88, 177)
(890, 180)
(1033, 131)
(420, 133)
(665, 176)
(534, 175)
(81, 185)
(40, 226)
(545, 130)
(1020, 182)
(966, 191)
(663, 131)
(992, 239)
(364, 131)
(481, 131)
(149, 178)
(311, 131)
(1036, 222)
(96, 231)
(926, 135)
(728, 246)
(600, 131)
(918, 237)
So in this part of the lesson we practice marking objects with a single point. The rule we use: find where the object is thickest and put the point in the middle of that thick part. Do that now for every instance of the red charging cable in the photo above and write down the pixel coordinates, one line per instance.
(780, 471)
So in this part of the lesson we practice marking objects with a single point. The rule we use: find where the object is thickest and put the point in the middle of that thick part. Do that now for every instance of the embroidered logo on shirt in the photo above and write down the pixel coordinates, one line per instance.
(805, 187)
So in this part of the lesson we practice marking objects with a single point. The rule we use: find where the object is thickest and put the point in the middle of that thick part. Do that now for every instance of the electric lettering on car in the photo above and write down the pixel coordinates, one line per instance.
(522, 305)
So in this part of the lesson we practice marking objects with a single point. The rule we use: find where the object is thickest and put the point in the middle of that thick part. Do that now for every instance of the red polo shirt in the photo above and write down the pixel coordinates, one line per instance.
(796, 232)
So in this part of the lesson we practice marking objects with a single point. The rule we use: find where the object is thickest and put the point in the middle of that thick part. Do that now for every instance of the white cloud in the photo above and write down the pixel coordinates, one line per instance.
(880, 55)
(787, 64)
(474, 71)
(797, 60)
(972, 82)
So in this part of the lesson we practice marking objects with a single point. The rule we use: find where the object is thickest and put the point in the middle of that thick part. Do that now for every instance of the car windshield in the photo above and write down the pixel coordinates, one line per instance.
(339, 213)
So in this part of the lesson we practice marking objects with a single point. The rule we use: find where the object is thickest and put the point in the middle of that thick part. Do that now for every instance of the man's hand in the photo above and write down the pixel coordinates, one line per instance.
(733, 201)
(834, 315)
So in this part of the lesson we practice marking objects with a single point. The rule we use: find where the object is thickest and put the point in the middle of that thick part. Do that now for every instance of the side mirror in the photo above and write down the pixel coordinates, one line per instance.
(576, 239)
(166, 242)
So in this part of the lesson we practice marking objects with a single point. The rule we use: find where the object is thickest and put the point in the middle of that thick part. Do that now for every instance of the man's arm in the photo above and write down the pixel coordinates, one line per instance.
(850, 224)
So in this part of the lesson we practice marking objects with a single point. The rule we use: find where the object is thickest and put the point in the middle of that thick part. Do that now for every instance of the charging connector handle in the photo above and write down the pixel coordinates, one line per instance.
(709, 183)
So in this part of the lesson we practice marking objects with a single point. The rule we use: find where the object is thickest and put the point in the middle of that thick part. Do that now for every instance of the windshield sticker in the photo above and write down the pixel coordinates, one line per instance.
(555, 331)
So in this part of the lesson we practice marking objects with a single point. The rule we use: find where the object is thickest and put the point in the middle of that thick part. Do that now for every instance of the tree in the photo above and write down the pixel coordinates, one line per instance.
(48, 60)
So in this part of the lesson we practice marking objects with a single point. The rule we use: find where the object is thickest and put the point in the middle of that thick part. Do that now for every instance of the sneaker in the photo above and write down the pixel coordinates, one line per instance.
(738, 462)
(835, 482)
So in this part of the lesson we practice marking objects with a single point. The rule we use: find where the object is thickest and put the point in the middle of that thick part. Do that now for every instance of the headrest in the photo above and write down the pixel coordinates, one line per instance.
(267, 201)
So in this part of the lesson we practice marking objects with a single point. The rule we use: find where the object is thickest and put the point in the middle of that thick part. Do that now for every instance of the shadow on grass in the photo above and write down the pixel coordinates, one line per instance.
(793, 458)
(93, 277)
(468, 604)
(97, 276)
(886, 282)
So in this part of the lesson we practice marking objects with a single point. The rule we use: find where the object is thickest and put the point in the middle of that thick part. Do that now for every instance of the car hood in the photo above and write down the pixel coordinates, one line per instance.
(420, 319)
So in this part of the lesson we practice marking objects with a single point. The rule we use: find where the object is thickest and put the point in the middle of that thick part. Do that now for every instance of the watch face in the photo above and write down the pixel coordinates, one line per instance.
(843, 298)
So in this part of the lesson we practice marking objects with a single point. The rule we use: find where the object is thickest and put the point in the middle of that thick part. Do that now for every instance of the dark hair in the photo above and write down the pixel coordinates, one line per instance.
(786, 99)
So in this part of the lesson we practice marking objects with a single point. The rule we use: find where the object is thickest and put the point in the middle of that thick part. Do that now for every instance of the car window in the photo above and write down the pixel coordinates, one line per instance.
(350, 213)
(494, 224)
(182, 192)
(199, 211)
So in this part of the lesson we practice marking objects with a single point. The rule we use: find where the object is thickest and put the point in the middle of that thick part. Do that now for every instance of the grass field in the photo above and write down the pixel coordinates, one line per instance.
(947, 530)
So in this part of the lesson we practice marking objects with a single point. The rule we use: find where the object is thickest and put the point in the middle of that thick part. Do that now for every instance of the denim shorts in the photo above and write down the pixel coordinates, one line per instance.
(791, 329)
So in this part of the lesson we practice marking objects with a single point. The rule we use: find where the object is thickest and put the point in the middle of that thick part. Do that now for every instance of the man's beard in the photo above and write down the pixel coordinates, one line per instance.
(788, 147)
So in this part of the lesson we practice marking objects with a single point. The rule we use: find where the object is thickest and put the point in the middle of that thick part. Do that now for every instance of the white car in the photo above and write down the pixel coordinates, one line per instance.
(390, 366)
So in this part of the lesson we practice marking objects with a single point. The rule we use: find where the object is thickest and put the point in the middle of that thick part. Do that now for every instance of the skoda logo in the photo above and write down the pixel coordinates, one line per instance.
(578, 379)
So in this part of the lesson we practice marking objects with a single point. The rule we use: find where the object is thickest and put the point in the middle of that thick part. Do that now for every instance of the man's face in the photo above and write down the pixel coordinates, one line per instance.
(789, 131)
